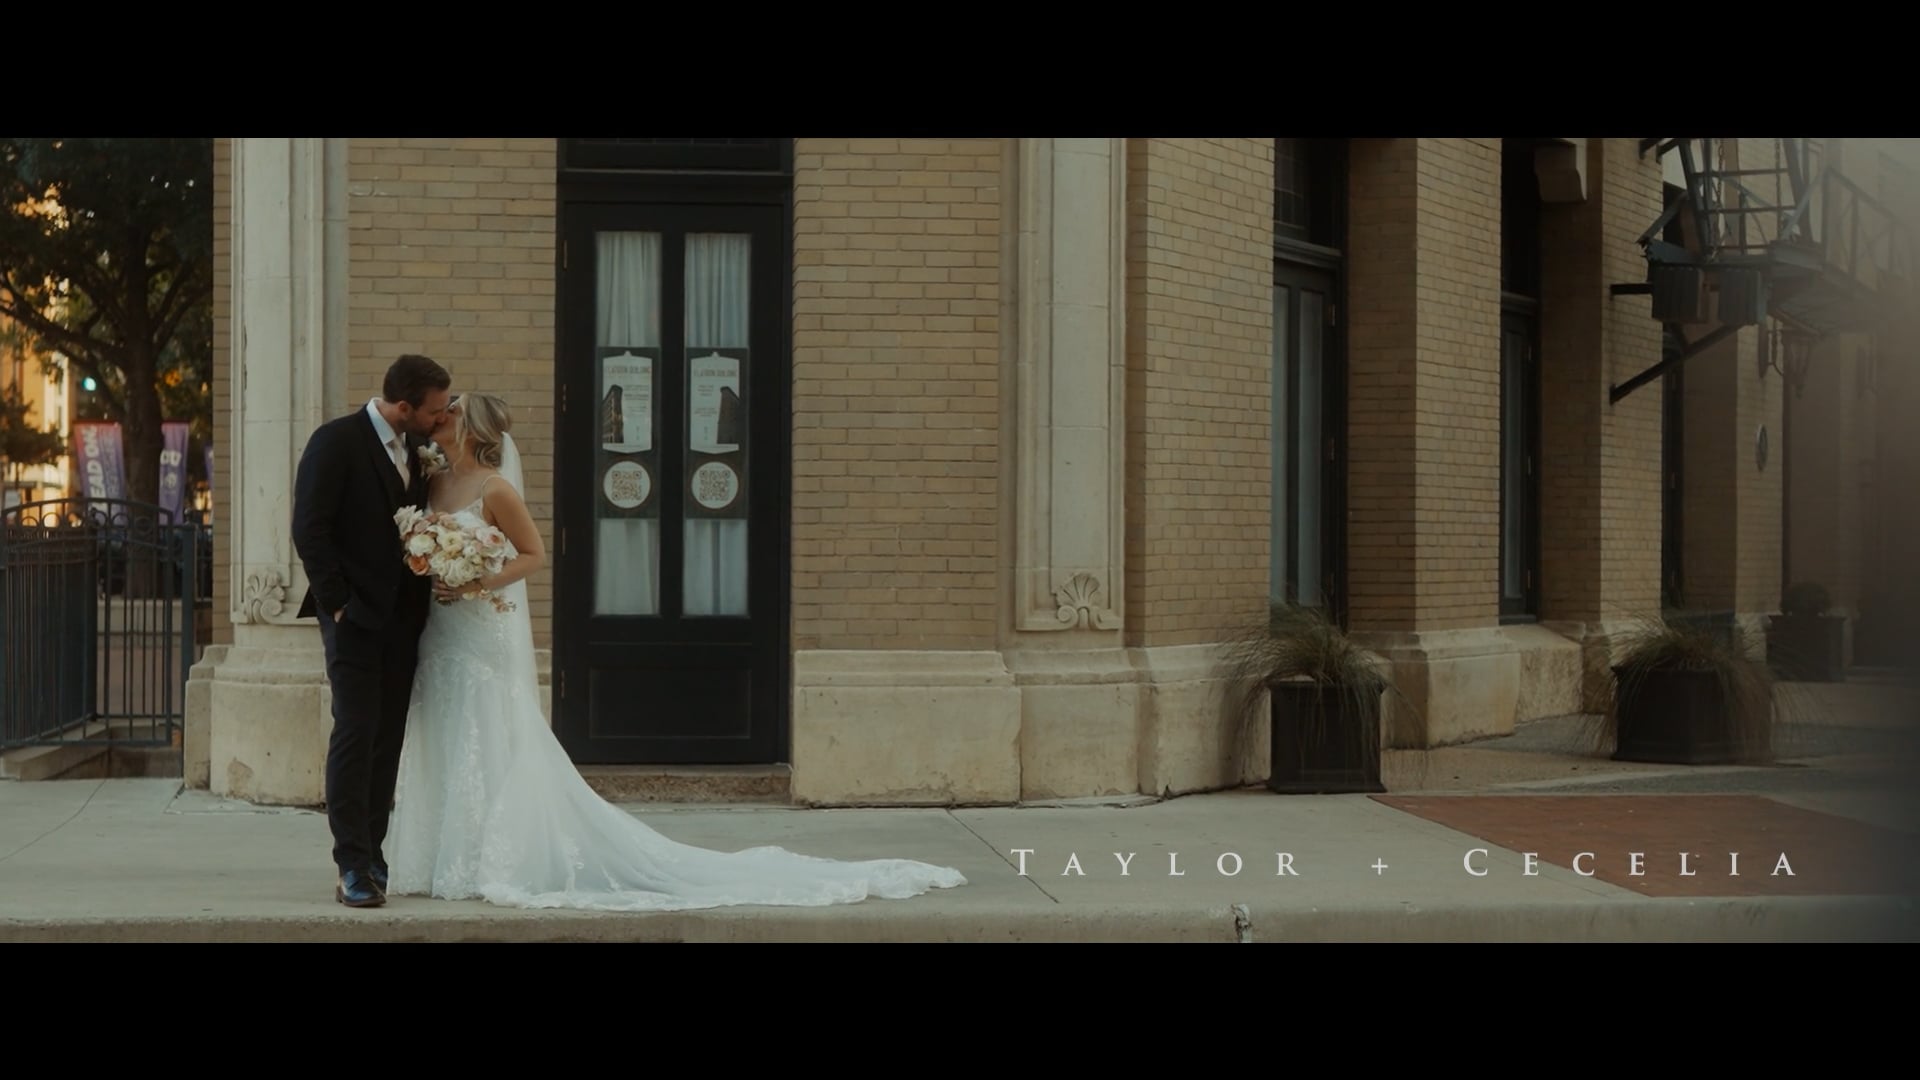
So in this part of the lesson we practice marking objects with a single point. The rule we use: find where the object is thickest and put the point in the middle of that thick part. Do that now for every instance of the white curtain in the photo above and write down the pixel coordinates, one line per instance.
(717, 305)
(627, 574)
(626, 579)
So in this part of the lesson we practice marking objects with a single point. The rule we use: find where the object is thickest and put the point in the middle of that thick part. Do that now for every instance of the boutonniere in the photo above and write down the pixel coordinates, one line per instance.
(433, 459)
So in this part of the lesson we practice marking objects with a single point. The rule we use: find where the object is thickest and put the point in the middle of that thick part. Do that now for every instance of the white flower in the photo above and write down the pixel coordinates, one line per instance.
(433, 458)
(440, 546)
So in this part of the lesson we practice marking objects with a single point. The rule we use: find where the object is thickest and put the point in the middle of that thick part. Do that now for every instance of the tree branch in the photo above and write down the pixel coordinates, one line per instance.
(17, 306)
(165, 313)
(192, 296)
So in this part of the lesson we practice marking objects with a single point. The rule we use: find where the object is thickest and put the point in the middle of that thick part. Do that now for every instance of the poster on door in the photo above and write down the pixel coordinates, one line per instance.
(627, 462)
(716, 433)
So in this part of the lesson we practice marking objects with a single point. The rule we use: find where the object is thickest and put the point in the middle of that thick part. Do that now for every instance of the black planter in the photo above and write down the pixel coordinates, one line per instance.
(1324, 741)
(1676, 717)
(1807, 648)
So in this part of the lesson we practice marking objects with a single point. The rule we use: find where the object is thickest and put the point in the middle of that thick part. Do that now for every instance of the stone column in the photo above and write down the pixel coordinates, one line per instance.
(1600, 473)
(259, 710)
(1423, 460)
(1730, 479)
(1079, 694)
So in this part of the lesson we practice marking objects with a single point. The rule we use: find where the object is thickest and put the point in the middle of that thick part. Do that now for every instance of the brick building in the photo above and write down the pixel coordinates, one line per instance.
(935, 470)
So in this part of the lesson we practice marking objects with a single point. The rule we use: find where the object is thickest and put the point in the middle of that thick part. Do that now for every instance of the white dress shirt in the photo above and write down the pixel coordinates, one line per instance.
(396, 445)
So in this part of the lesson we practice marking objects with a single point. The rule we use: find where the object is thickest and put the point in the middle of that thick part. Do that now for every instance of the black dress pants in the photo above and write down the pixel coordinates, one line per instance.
(371, 672)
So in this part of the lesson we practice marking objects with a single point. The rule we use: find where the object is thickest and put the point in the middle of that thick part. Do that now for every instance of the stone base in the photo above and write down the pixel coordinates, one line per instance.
(259, 713)
(960, 728)
(869, 728)
(1190, 738)
(1079, 722)
(1604, 644)
(904, 729)
(1455, 686)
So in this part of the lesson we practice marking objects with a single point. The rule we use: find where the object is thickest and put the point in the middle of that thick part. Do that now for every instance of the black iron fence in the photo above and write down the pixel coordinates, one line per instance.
(97, 622)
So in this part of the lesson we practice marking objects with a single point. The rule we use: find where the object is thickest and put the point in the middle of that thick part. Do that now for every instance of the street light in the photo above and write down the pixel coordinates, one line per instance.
(1789, 351)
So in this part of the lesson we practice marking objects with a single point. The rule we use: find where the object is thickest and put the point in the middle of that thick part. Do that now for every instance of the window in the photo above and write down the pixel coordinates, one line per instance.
(1309, 192)
(1308, 381)
(1519, 382)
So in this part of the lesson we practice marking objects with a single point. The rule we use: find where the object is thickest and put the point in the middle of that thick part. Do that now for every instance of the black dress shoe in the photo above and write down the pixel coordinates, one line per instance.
(356, 889)
(379, 875)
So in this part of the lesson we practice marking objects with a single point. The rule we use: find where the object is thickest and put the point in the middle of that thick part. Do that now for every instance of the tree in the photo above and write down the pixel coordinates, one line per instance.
(106, 255)
(21, 440)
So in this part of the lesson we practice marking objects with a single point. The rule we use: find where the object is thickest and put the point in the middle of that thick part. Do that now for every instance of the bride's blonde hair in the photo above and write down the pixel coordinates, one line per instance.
(484, 420)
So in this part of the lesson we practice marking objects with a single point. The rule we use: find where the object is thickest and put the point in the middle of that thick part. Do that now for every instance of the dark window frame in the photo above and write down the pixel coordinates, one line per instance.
(1321, 246)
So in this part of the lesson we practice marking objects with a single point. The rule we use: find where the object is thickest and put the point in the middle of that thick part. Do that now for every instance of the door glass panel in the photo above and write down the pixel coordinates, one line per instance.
(1307, 457)
(626, 578)
(718, 280)
(1277, 571)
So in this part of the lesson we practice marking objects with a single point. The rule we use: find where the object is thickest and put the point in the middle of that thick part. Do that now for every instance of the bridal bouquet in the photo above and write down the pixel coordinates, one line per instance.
(439, 545)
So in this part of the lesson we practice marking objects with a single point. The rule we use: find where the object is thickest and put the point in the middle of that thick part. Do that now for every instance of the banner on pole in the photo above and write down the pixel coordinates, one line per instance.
(100, 461)
(173, 468)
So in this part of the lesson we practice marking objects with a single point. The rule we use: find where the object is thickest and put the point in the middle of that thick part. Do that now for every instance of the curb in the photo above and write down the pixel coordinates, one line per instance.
(1634, 919)
(1185, 923)
(1878, 919)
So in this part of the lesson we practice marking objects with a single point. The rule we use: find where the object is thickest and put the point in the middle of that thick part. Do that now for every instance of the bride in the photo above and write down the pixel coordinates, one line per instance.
(490, 806)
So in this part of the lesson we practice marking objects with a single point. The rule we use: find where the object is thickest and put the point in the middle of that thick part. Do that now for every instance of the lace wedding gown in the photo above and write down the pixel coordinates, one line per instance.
(490, 806)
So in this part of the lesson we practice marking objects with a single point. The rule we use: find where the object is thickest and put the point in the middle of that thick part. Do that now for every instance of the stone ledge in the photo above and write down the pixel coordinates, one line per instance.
(878, 667)
(771, 784)
(1457, 686)
(33, 763)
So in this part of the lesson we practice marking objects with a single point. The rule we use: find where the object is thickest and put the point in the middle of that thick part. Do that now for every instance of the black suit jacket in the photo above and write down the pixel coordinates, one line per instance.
(344, 499)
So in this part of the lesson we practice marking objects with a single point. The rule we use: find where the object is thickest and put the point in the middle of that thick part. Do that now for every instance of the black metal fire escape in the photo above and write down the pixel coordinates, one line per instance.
(1789, 238)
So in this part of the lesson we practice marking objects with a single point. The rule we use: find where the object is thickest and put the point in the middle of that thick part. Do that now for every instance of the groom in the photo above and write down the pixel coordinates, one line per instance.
(358, 470)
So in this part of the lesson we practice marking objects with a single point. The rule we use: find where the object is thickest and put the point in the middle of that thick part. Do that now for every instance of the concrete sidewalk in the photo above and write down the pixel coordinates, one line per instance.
(141, 860)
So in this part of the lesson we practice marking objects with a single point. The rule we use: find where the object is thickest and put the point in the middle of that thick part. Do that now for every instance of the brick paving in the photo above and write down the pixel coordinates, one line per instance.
(1828, 855)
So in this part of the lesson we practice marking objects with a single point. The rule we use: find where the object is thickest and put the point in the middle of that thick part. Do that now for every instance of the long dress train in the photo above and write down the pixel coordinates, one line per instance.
(490, 806)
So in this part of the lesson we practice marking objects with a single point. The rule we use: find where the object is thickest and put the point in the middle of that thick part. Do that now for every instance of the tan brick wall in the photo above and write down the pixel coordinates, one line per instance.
(1709, 496)
(1199, 364)
(896, 393)
(1574, 373)
(1458, 396)
(1424, 438)
(1824, 459)
(1382, 296)
(1761, 400)
(1630, 431)
(1892, 589)
(223, 433)
(451, 248)
(1835, 437)
(1758, 540)
(1732, 518)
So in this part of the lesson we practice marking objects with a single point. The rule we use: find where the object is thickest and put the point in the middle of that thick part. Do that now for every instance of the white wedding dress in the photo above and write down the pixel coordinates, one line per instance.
(489, 806)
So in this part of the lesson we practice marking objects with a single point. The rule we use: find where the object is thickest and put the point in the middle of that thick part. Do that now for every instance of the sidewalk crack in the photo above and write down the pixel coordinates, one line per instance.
(1005, 857)
(63, 824)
